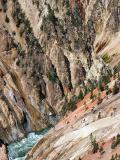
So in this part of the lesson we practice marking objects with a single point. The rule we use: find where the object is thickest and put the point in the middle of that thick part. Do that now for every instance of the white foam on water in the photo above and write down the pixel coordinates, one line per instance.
(18, 150)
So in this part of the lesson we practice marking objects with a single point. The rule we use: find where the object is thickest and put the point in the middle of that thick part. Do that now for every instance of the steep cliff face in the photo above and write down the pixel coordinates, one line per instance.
(74, 140)
(48, 48)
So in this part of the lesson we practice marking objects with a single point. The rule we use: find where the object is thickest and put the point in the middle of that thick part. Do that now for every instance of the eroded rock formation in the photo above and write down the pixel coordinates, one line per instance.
(48, 49)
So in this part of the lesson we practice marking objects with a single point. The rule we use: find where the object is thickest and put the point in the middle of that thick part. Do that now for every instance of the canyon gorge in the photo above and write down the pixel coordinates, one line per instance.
(50, 50)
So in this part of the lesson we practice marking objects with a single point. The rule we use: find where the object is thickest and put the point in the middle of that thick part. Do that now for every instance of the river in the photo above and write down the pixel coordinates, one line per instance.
(18, 150)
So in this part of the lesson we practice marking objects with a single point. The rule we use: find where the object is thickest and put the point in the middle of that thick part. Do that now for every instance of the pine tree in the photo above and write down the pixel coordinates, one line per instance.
(112, 158)
(80, 95)
(115, 89)
(101, 150)
(95, 146)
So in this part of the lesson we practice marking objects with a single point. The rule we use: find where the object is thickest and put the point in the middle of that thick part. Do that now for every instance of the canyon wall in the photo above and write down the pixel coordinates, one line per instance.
(48, 49)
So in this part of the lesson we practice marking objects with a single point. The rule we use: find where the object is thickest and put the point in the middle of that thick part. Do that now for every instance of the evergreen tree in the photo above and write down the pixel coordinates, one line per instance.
(112, 158)
(99, 115)
(100, 86)
(80, 95)
(95, 146)
(101, 150)
(115, 89)
(92, 95)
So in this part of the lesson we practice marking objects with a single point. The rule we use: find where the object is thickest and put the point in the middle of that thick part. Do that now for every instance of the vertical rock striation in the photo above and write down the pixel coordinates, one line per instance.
(48, 49)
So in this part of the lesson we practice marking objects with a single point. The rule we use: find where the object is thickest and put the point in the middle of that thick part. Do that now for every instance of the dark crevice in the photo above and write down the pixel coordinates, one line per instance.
(59, 82)
(25, 120)
(68, 70)
(1, 143)
(61, 87)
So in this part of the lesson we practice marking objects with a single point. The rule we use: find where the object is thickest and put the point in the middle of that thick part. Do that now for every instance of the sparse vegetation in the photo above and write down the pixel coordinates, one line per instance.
(103, 81)
(21, 52)
(115, 157)
(99, 115)
(101, 150)
(51, 16)
(52, 77)
(80, 96)
(92, 95)
(72, 105)
(116, 141)
(31, 64)
(36, 2)
(99, 100)
(86, 90)
(75, 18)
(106, 58)
(116, 69)
(67, 7)
(108, 90)
(69, 106)
(100, 86)
(115, 89)
(67, 3)
(95, 146)
(31, 40)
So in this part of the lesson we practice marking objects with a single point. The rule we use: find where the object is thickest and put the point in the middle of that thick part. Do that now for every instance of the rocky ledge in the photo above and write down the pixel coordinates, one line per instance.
(74, 140)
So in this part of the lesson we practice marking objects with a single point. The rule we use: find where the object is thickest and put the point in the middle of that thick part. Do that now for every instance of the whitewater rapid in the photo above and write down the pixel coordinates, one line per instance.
(18, 150)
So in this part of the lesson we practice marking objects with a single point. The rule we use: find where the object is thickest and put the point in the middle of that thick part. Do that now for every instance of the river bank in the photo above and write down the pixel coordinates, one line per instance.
(72, 141)
(18, 150)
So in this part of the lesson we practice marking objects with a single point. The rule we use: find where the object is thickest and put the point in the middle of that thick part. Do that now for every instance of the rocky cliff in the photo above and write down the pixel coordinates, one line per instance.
(48, 49)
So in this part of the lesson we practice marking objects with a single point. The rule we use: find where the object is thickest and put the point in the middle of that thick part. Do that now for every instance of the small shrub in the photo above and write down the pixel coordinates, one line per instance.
(112, 158)
(116, 142)
(68, 12)
(20, 50)
(69, 106)
(99, 115)
(115, 89)
(86, 90)
(95, 146)
(92, 95)
(106, 58)
(101, 150)
(51, 15)
(100, 86)
(72, 105)
(116, 69)
(67, 3)
(52, 77)
(21, 21)
(81, 96)
(75, 18)
(99, 101)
